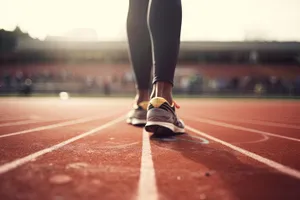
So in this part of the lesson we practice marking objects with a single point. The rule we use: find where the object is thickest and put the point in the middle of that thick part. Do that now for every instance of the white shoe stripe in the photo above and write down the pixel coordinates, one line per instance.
(170, 126)
(138, 121)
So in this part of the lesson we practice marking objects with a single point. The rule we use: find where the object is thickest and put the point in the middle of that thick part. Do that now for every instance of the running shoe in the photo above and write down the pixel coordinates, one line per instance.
(162, 119)
(138, 115)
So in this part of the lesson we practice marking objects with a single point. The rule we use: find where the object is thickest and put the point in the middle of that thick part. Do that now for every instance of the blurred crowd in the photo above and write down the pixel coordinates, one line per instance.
(46, 81)
(247, 85)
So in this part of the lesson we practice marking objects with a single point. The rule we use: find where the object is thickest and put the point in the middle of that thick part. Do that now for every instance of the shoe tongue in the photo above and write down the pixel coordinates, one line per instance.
(144, 104)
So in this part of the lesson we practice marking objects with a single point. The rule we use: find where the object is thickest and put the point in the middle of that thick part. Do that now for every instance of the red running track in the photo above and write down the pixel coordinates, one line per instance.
(83, 149)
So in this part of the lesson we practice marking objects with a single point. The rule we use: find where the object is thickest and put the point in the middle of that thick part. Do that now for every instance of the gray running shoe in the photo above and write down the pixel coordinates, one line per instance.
(137, 116)
(162, 119)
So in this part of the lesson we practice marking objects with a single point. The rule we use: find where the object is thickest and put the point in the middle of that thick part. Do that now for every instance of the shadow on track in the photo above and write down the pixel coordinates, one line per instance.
(246, 181)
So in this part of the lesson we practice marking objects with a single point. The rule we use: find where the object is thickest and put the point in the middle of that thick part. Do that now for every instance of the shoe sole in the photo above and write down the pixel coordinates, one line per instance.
(163, 128)
(136, 122)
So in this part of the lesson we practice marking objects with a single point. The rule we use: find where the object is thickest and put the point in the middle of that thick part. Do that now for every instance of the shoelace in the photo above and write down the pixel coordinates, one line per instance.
(176, 105)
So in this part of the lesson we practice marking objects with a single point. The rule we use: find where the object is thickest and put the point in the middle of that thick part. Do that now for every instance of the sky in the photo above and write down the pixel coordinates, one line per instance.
(221, 20)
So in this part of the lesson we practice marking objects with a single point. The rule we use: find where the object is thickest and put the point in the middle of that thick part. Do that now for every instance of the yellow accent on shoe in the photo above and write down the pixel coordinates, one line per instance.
(156, 102)
(144, 104)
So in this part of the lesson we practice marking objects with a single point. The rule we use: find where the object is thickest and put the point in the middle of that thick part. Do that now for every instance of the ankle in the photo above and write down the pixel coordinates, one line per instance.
(164, 90)
(142, 95)
(168, 98)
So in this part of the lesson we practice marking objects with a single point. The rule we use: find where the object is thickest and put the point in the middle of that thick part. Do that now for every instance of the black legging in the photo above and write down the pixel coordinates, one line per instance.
(153, 30)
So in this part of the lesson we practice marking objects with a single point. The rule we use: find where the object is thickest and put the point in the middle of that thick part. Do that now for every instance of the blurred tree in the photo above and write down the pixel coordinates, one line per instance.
(7, 41)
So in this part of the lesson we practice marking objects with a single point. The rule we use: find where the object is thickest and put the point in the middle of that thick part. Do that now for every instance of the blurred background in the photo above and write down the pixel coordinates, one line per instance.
(232, 48)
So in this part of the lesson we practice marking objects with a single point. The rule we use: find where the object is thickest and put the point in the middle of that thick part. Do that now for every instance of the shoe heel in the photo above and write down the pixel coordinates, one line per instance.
(159, 131)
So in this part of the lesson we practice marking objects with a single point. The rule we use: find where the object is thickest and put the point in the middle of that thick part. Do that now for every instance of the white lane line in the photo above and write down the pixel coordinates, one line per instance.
(258, 122)
(265, 138)
(241, 128)
(147, 188)
(42, 128)
(19, 123)
(13, 119)
(18, 162)
(279, 167)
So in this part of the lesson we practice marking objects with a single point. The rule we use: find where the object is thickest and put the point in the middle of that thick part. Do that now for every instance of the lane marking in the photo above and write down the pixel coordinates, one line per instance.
(203, 140)
(265, 138)
(19, 123)
(42, 128)
(279, 167)
(241, 128)
(13, 119)
(18, 162)
(147, 188)
(258, 122)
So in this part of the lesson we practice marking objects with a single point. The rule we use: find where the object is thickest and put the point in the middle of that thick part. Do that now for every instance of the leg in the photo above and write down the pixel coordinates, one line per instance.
(140, 47)
(164, 22)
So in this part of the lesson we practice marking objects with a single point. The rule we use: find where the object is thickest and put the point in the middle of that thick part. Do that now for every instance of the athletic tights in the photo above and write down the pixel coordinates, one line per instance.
(153, 31)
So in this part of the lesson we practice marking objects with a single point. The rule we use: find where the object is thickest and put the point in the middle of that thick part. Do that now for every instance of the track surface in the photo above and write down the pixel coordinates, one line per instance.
(83, 149)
